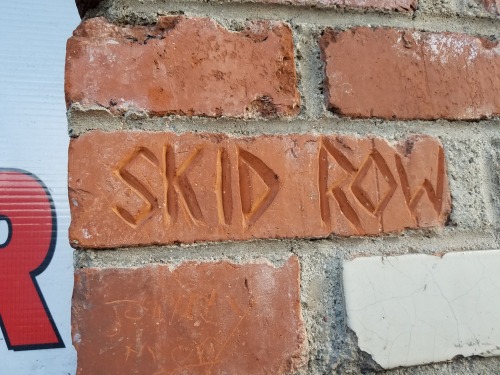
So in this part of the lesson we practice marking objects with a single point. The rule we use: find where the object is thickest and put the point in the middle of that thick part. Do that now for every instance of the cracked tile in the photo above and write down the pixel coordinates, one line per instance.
(415, 309)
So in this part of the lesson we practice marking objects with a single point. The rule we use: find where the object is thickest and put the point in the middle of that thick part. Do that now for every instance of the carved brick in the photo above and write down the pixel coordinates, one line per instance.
(138, 188)
(208, 318)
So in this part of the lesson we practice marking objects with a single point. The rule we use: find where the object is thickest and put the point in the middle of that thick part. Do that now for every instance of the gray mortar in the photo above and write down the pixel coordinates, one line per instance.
(472, 152)
(466, 173)
(473, 8)
(454, 8)
(147, 12)
(310, 70)
(141, 8)
(82, 120)
(436, 242)
(493, 156)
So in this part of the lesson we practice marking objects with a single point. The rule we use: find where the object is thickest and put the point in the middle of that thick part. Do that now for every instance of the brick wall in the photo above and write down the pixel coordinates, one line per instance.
(271, 187)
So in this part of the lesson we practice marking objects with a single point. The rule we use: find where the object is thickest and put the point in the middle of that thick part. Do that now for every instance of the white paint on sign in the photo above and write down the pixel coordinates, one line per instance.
(416, 309)
(4, 232)
(34, 138)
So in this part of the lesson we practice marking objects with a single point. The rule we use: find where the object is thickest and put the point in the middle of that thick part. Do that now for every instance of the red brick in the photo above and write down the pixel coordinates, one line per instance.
(140, 188)
(405, 74)
(200, 318)
(492, 6)
(184, 66)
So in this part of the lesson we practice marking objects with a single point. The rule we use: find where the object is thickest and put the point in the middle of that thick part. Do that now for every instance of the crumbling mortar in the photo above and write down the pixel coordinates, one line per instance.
(229, 12)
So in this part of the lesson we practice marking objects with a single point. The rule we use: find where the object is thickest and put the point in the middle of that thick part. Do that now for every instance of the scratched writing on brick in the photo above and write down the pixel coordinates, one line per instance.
(167, 188)
(189, 320)
(190, 311)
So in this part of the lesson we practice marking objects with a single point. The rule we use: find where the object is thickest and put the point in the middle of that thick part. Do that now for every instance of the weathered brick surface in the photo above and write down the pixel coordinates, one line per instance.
(406, 74)
(139, 188)
(492, 6)
(184, 66)
(208, 318)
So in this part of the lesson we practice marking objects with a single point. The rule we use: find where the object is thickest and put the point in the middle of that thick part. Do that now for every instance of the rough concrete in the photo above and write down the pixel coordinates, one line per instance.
(467, 170)
(456, 8)
(231, 14)
(84, 119)
(493, 182)
(451, 8)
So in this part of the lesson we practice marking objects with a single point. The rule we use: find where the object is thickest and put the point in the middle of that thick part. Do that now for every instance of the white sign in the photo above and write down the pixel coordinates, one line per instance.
(36, 266)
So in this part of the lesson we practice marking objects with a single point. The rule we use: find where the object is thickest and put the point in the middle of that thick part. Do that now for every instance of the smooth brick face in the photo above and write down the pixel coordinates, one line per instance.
(404, 74)
(139, 188)
(184, 66)
(416, 309)
(208, 318)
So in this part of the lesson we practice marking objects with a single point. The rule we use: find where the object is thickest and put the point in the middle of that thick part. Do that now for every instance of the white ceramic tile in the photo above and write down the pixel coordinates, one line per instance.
(416, 309)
